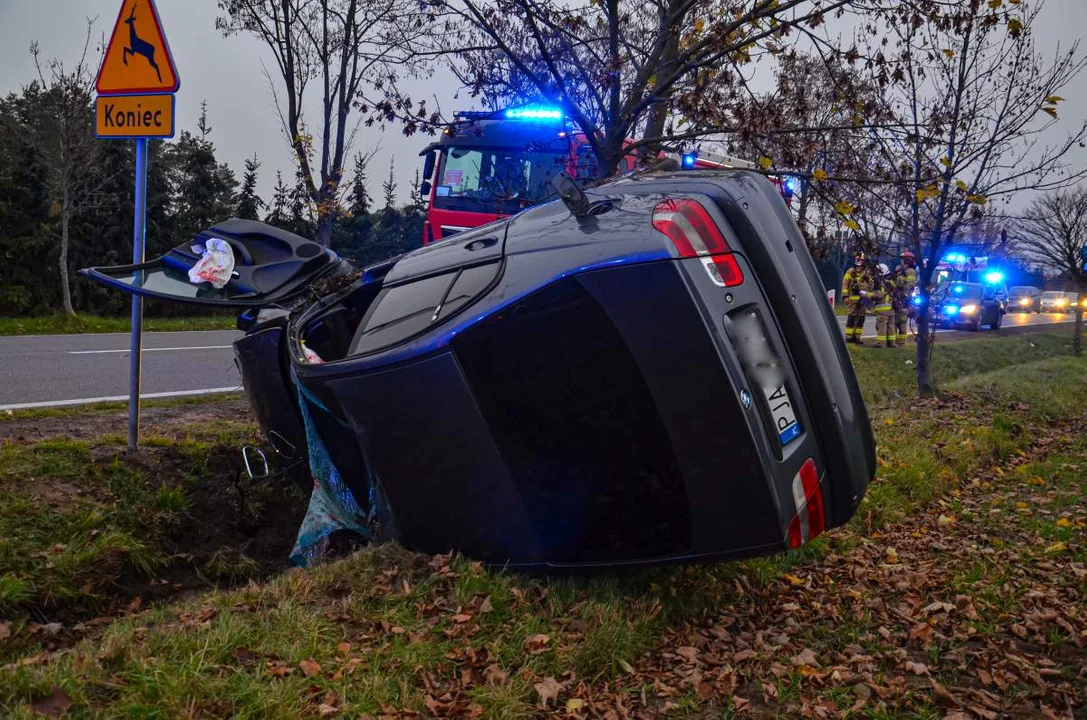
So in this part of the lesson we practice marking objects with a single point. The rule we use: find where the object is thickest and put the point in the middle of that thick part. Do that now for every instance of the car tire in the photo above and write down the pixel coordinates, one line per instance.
(995, 324)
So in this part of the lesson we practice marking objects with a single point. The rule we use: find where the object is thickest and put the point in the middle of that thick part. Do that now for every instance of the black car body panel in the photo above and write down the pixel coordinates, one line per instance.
(571, 392)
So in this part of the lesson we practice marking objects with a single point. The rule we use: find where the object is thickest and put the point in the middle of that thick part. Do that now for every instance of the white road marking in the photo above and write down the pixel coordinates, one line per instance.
(115, 398)
(166, 349)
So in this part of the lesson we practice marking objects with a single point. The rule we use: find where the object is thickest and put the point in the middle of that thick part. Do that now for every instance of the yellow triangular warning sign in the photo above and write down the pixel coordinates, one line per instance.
(137, 58)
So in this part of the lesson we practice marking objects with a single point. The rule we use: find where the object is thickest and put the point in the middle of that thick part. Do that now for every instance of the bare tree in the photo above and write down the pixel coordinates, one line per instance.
(64, 136)
(1052, 233)
(339, 45)
(658, 72)
(974, 96)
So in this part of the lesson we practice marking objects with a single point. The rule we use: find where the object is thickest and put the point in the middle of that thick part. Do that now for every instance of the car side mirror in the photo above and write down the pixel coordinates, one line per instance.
(428, 167)
(256, 464)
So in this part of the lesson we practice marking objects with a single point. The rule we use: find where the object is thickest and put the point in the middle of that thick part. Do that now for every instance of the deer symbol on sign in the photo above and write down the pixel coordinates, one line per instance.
(136, 46)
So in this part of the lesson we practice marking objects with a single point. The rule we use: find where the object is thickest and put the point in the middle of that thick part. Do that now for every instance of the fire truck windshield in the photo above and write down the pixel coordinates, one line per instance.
(499, 181)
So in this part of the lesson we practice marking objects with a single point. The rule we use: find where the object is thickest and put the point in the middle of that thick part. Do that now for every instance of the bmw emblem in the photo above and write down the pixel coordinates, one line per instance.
(745, 398)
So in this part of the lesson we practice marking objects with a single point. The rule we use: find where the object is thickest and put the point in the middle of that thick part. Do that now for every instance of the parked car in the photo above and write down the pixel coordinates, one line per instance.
(1056, 301)
(970, 305)
(646, 372)
(1025, 298)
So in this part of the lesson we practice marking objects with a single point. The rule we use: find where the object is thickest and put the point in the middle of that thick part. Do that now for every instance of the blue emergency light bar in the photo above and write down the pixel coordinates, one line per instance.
(791, 183)
(994, 278)
(688, 160)
(955, 258)
(533, 113)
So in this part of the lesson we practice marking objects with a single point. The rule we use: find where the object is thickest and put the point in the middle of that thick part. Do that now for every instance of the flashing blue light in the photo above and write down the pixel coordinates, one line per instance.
(917, 300)
(791, 184)
(994, 277)
(534, 113)
(688, 160)
(951, 309)
(958, 289)
(955, 258)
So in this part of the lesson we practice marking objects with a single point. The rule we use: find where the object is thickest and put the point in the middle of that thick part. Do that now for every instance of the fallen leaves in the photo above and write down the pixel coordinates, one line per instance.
(548, 689)
(536, 644)
(805, 657)
(309, 668)
(277, 668)
(53, 705)
(916, 668)
(243, 656)
(330, 704)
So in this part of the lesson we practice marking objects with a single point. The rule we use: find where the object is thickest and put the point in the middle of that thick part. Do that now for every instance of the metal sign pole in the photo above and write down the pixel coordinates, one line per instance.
(139, 232)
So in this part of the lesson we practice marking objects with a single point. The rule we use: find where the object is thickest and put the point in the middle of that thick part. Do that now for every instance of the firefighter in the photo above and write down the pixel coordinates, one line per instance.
(855, 286)
(880, 297)
(905, 280)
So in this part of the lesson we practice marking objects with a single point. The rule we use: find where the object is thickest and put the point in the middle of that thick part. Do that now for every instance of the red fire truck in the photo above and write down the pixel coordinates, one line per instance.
(489, 165)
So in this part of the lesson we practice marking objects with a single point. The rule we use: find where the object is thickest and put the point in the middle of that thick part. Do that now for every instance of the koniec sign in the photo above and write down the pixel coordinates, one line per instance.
(136, 86)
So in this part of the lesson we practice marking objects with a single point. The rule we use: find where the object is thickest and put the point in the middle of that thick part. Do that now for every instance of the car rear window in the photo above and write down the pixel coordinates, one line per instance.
(403, 311)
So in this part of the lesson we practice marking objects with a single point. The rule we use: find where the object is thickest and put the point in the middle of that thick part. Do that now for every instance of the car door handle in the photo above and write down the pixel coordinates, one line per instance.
(481, 244)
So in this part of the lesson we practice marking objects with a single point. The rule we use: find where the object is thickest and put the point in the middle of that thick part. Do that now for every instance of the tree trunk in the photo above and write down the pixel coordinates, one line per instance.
(1077, 336)
(802, 208)
(325, 221)
(658, 113)
(65, 290)
(924, 353)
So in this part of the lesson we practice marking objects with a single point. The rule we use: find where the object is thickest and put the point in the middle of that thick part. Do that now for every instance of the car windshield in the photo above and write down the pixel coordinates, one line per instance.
(965, 291)
(1052, 295)
(499, 181)
(1022, 290)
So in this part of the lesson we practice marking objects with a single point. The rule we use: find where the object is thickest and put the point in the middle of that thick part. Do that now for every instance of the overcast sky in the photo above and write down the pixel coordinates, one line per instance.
(227, 73)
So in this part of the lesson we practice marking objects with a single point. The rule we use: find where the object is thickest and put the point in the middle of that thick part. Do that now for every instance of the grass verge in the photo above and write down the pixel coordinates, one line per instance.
(74, 411)
(954, 583)
(61, 324)
(86, 528)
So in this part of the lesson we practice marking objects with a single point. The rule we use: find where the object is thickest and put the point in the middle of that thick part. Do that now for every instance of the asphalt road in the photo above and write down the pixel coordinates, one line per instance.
(55, 370)
(1011, 320)
(49, 370)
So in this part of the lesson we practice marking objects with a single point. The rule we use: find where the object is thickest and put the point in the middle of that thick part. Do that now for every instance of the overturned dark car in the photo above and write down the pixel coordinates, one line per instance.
(647, 373)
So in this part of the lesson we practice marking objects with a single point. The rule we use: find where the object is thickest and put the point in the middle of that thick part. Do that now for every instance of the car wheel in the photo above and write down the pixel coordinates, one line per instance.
(995, 324)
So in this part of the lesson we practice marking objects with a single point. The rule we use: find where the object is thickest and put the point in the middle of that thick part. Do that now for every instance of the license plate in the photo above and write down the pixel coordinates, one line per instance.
(782, 414)
(762, 368)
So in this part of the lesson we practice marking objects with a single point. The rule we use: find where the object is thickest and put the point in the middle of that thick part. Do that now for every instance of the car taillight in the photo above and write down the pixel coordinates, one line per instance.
(809, 521)
(695, 234)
